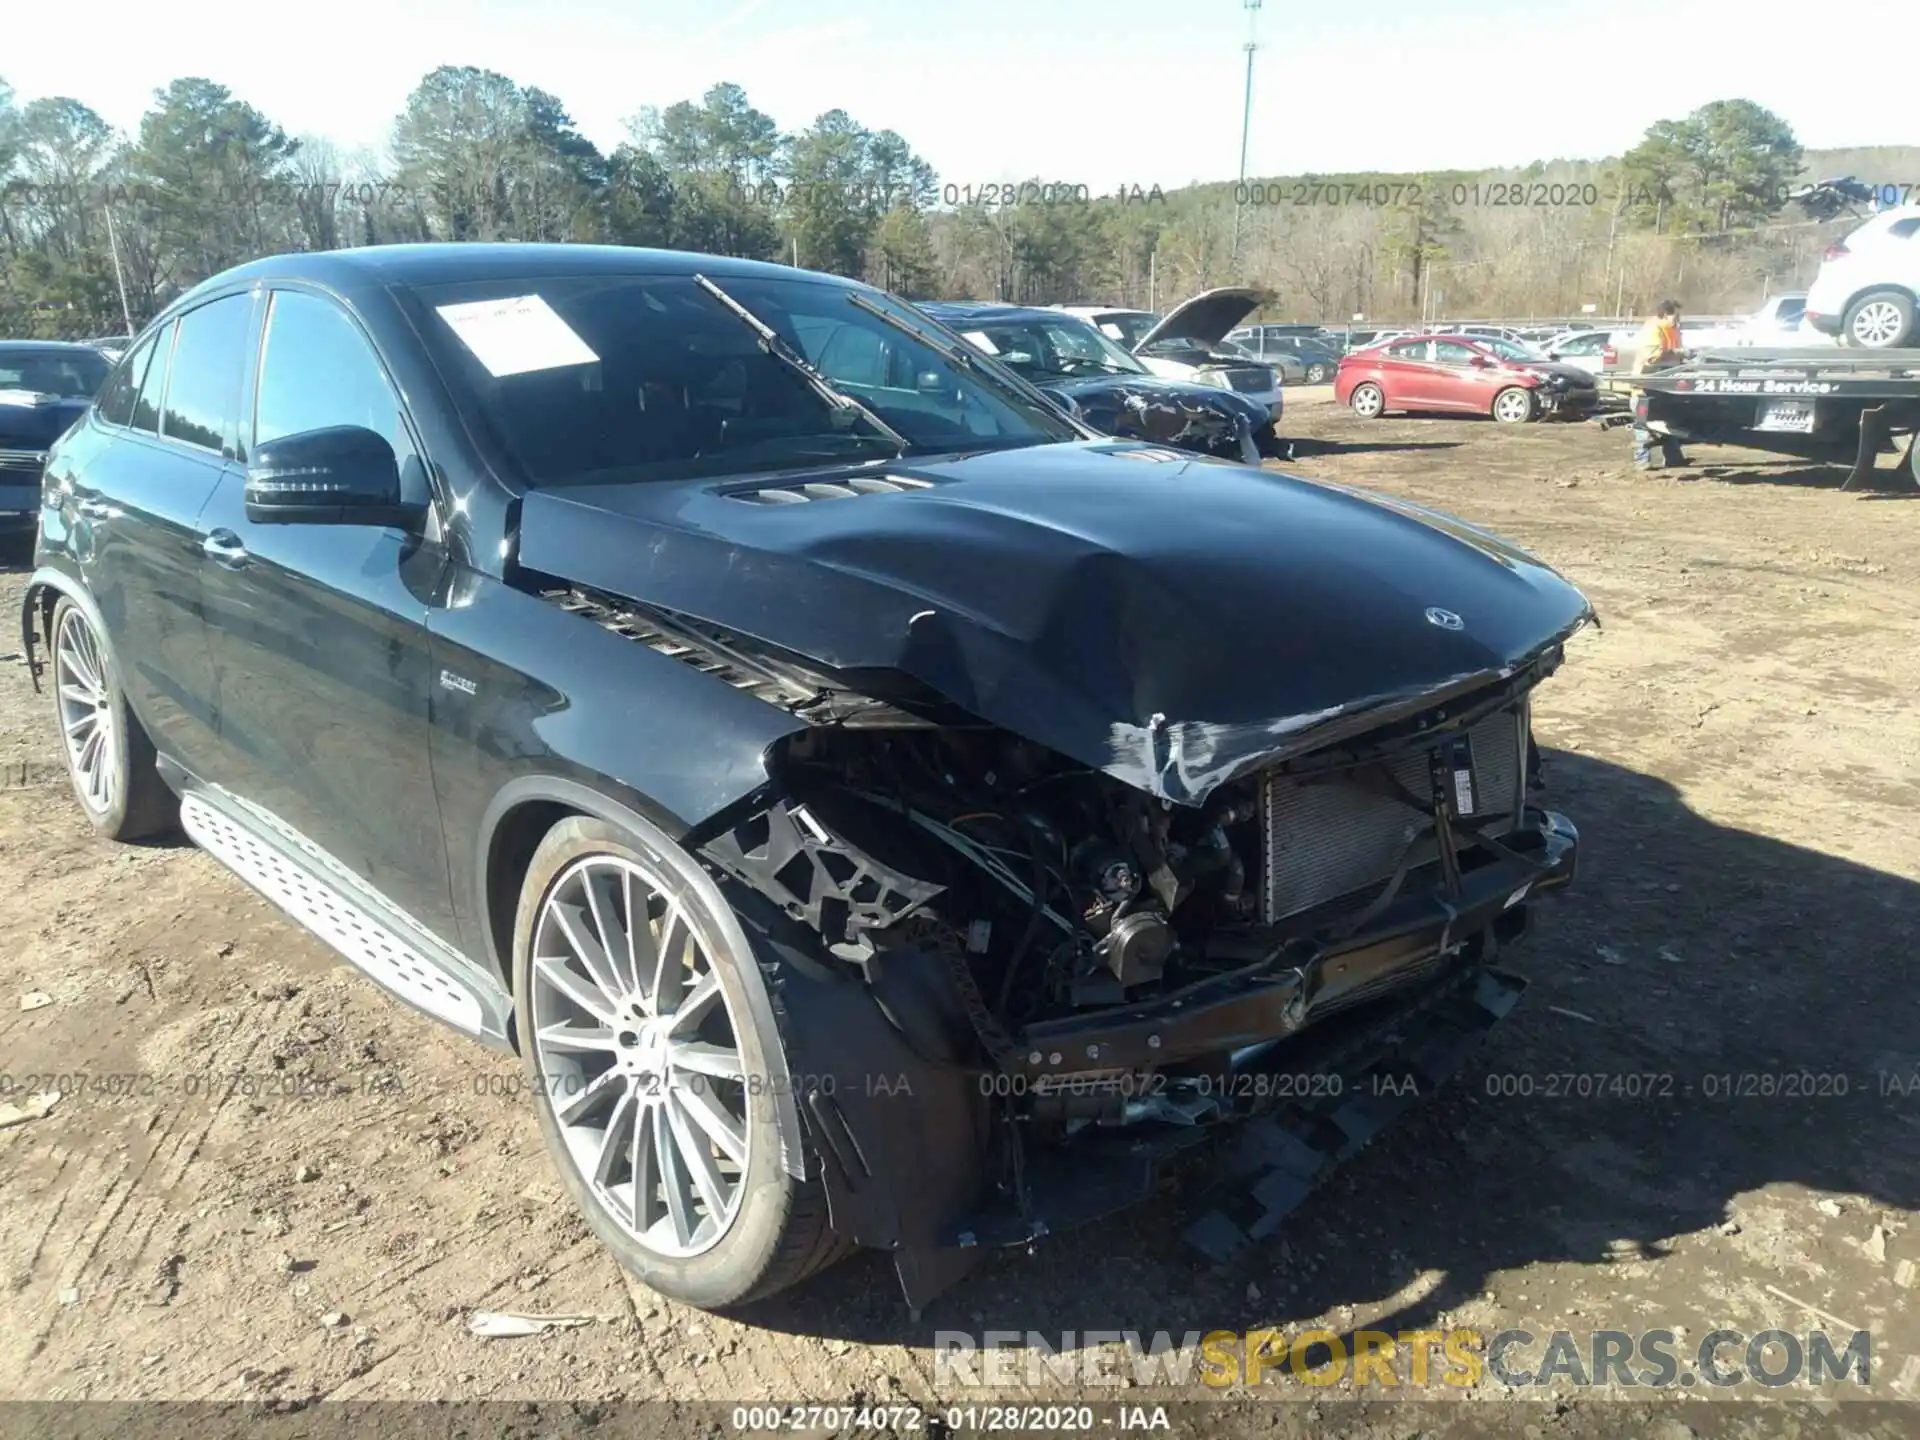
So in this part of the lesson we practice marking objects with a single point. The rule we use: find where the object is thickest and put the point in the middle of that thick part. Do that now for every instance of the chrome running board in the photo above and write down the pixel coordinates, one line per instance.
(323, 897)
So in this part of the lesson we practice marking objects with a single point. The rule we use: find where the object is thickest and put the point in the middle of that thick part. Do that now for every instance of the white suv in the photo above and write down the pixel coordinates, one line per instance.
(1869, 283)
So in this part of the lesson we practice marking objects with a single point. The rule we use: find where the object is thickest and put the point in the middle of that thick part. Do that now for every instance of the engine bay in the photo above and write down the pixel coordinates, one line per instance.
(1053, 890)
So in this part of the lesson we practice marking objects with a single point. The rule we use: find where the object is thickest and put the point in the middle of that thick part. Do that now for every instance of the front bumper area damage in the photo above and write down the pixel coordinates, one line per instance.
(946, 1125)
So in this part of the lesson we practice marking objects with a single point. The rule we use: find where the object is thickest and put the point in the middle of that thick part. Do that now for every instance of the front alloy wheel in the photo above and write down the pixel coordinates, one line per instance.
(657, 1081)
(1513, 405)
(634, 1032)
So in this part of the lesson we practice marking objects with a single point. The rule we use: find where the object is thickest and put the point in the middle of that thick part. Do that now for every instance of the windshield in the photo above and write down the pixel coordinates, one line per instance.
(1129, 327)
(589, 378)
(68, 374)
(1508, 349)
(1050, 349)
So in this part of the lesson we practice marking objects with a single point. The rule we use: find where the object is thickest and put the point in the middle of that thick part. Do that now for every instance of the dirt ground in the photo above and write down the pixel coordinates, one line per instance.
(266, 1180)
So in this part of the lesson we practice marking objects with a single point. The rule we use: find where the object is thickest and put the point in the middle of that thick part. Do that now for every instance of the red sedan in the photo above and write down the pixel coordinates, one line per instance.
(1462, 373)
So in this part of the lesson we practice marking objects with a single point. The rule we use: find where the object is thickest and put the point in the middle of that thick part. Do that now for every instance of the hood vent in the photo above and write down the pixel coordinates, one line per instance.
(710, 654)
(713, 651)
(830, 490)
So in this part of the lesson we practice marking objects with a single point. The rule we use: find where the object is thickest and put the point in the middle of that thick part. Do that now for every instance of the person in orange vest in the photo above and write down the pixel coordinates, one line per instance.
(1656, 349)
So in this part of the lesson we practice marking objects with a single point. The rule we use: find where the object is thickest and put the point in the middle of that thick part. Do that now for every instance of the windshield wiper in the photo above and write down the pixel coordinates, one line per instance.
(771, 342)
(959, 354)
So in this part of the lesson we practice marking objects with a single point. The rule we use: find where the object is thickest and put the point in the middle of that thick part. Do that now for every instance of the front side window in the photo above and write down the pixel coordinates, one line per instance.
(66, 374)
(146, 409)
(318, 371)
(203, 395)
(1452, 352)
(591, 378)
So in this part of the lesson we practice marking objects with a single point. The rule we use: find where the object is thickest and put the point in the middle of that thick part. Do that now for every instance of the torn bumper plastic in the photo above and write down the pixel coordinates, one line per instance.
(1385, 1018)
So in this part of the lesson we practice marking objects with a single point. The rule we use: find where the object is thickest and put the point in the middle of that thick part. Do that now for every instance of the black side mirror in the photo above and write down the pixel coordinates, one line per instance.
(343, 475)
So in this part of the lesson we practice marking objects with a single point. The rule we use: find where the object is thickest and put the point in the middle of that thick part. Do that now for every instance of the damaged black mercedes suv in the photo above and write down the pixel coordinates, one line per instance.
(878, 811)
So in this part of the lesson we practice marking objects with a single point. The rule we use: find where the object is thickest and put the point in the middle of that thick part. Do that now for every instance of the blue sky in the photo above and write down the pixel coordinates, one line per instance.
(1105, 92)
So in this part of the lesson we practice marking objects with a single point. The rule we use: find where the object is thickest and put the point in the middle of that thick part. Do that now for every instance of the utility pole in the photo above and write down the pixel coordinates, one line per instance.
(1246, 124)
(120, 279)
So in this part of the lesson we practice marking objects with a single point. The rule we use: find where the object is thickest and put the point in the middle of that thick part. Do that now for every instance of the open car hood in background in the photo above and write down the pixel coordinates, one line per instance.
(1174, 621)
(1206, 318)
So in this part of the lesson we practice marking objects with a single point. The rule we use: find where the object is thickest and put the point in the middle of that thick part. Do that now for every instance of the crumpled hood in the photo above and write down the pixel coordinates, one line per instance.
(1171, 620)
(33, 422)
(1572, 374)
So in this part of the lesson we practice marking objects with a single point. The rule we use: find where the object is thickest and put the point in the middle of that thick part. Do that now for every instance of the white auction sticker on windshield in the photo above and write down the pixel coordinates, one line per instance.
(979, 338)
(516, 335)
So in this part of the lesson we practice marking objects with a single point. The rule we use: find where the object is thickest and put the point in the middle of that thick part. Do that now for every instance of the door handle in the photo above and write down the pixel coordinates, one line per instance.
(223, 547)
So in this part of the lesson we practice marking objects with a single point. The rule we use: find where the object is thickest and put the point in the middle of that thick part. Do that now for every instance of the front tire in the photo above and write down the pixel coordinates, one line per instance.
(1316, 375)
(654, 1087)
(110, 759)
(1367, 401)
(1515, 405)
(1879, 320)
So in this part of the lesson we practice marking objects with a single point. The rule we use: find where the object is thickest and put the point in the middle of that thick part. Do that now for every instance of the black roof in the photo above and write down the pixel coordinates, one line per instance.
(410, 265)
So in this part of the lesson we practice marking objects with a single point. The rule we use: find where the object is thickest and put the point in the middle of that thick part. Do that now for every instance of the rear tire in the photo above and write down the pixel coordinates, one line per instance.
(110, 760)
(1367, 401)
(654, 1087)
(1515, 405)
(1879, 320)
(1316, 375)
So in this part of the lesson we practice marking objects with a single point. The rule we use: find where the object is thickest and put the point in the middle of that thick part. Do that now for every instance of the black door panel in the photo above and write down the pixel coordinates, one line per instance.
(318, 631)
(319, 640)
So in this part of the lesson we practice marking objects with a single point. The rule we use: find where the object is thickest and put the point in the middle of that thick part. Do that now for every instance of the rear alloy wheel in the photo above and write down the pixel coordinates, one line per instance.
(1367, 401)
(1316, 374)
(655, 1088)
(109, 757)
(1879, 320)
(1514, 405)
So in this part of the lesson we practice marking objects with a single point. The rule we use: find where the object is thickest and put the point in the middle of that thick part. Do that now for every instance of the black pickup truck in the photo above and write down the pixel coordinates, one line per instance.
(1839, 406)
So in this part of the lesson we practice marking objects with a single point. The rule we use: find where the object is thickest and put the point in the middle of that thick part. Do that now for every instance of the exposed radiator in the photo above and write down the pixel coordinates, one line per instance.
(1326, 837)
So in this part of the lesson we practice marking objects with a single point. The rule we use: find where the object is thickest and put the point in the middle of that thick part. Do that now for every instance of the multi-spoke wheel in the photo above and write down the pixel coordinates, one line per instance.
(635, 1033)
(1368, 401)
(1514, 405)
(1879, 320)
(655, 1083)
(109, 757)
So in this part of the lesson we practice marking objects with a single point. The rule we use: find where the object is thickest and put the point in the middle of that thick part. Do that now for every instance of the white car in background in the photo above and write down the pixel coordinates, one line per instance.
(1189, 342)
(1868, 290)
(1582, 349)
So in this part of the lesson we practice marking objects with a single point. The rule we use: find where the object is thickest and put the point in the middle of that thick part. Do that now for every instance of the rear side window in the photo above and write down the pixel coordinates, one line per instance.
(203, 397)
(123, 386)
(146, 409)
(1408, 350)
